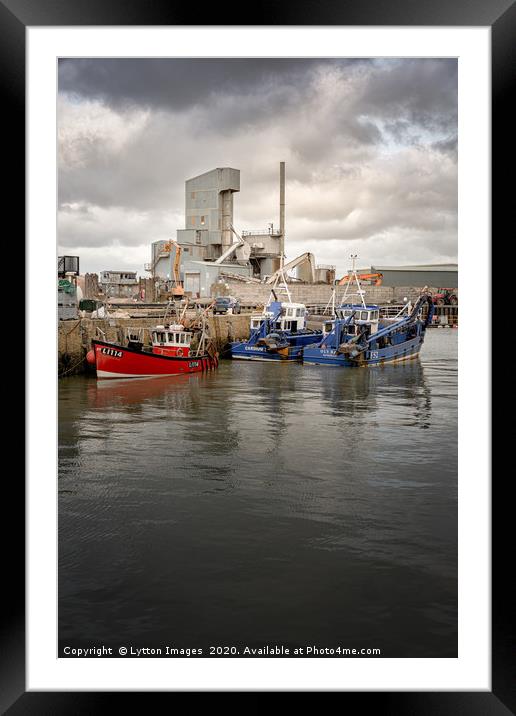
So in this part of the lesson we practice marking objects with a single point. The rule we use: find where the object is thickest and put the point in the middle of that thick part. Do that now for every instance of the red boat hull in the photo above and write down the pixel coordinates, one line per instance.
(114, 361)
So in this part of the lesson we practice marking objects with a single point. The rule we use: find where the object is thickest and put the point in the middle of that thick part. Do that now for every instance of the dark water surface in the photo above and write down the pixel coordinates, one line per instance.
(263, 504)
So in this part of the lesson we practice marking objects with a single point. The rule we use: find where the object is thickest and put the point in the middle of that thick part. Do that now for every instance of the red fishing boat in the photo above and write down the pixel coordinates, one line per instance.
(174, 350)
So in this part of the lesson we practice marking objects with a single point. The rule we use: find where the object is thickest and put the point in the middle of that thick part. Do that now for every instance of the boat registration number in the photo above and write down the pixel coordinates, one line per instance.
(193, 364)
(111, 352)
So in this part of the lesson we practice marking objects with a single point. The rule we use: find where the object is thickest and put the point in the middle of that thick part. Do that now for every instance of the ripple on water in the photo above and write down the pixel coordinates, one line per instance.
(263, 499)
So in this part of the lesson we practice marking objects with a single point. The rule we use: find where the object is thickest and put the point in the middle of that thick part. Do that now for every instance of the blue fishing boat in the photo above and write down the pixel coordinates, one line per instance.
(357, 335)
(279, 333)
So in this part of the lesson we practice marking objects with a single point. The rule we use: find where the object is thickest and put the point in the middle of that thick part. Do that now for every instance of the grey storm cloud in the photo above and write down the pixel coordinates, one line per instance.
(177, 84)
(370, 147)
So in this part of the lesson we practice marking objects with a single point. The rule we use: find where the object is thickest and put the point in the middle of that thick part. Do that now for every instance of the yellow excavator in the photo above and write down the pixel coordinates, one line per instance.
(374, 278)
(177, 290)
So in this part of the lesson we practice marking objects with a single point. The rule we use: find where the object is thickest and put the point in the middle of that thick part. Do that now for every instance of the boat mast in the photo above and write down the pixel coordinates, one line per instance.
(331, 302)
(353, 278)
(166, 311)
(281, 284)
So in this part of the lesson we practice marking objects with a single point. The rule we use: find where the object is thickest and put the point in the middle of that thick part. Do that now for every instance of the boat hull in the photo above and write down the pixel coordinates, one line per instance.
(115, 361)
(251, 350)
(244, 351)
(405, 350)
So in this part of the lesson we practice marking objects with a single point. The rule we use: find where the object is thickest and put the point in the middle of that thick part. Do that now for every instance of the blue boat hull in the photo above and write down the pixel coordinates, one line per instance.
(250, 350)
(390, 354)
(242, 351)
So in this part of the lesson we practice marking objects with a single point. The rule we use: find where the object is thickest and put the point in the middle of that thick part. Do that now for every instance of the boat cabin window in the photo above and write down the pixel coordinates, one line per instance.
(182, 338)
(256, 322)
(166, 337)
(328, 327)
(351, 329)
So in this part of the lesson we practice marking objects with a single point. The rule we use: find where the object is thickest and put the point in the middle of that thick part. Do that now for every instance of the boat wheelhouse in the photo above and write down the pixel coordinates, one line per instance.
(171, 341)
(284, 316)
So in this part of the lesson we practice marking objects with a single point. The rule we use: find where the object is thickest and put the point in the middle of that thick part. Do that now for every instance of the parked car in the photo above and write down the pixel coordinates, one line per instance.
(226, 304)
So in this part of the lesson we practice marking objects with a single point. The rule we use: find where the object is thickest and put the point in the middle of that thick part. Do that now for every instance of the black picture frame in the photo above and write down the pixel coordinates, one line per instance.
(15, 17)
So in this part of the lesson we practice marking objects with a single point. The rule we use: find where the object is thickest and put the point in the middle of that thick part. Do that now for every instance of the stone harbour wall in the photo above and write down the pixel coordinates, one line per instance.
(249, 293)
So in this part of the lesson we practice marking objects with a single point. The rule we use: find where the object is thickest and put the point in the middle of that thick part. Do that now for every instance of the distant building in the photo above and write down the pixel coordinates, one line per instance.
(161, 260)
(119, 284)
(436, 275)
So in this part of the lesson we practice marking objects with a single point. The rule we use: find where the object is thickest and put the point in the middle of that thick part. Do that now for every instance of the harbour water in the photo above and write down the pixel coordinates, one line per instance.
(263, 504)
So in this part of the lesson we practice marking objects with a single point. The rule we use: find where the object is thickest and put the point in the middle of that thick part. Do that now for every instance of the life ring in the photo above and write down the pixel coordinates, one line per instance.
(179, 351)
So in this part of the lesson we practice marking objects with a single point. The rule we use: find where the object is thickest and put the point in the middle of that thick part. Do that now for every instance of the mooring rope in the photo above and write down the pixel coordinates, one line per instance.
(73, 329)
(240, 343)
(72, 368)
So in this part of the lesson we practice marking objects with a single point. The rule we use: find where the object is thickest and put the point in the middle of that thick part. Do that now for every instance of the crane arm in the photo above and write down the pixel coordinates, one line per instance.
(240, 242)
(177, 261)
(307, 256)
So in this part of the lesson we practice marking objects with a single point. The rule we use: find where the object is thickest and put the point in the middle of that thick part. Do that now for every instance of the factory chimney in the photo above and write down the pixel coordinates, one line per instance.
(282, 213)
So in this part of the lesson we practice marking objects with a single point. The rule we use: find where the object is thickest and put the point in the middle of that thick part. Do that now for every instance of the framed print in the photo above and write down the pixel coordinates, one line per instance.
(249, 526)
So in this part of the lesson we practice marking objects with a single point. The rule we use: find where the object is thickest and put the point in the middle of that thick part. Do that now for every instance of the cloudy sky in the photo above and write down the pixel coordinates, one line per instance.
(370, 148)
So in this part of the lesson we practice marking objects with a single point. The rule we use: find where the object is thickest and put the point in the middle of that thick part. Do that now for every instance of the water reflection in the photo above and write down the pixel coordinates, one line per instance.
(136, 391)
(364, 392)
(263, 501)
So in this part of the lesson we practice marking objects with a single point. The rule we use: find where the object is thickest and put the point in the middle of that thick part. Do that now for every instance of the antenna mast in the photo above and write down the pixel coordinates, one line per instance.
(353, 278)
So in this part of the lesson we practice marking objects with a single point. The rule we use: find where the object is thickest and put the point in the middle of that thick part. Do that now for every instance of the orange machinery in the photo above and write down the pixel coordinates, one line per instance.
(177, 290)
(374, 278)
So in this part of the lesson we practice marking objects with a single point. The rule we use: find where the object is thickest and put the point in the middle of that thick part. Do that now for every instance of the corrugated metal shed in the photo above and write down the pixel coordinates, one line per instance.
(436, 275)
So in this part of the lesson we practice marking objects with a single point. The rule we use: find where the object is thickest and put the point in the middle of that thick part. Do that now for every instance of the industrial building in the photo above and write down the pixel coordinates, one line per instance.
(198, 255)
(436, 275)
(209, 248)
(119, 284)
(205, 250)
